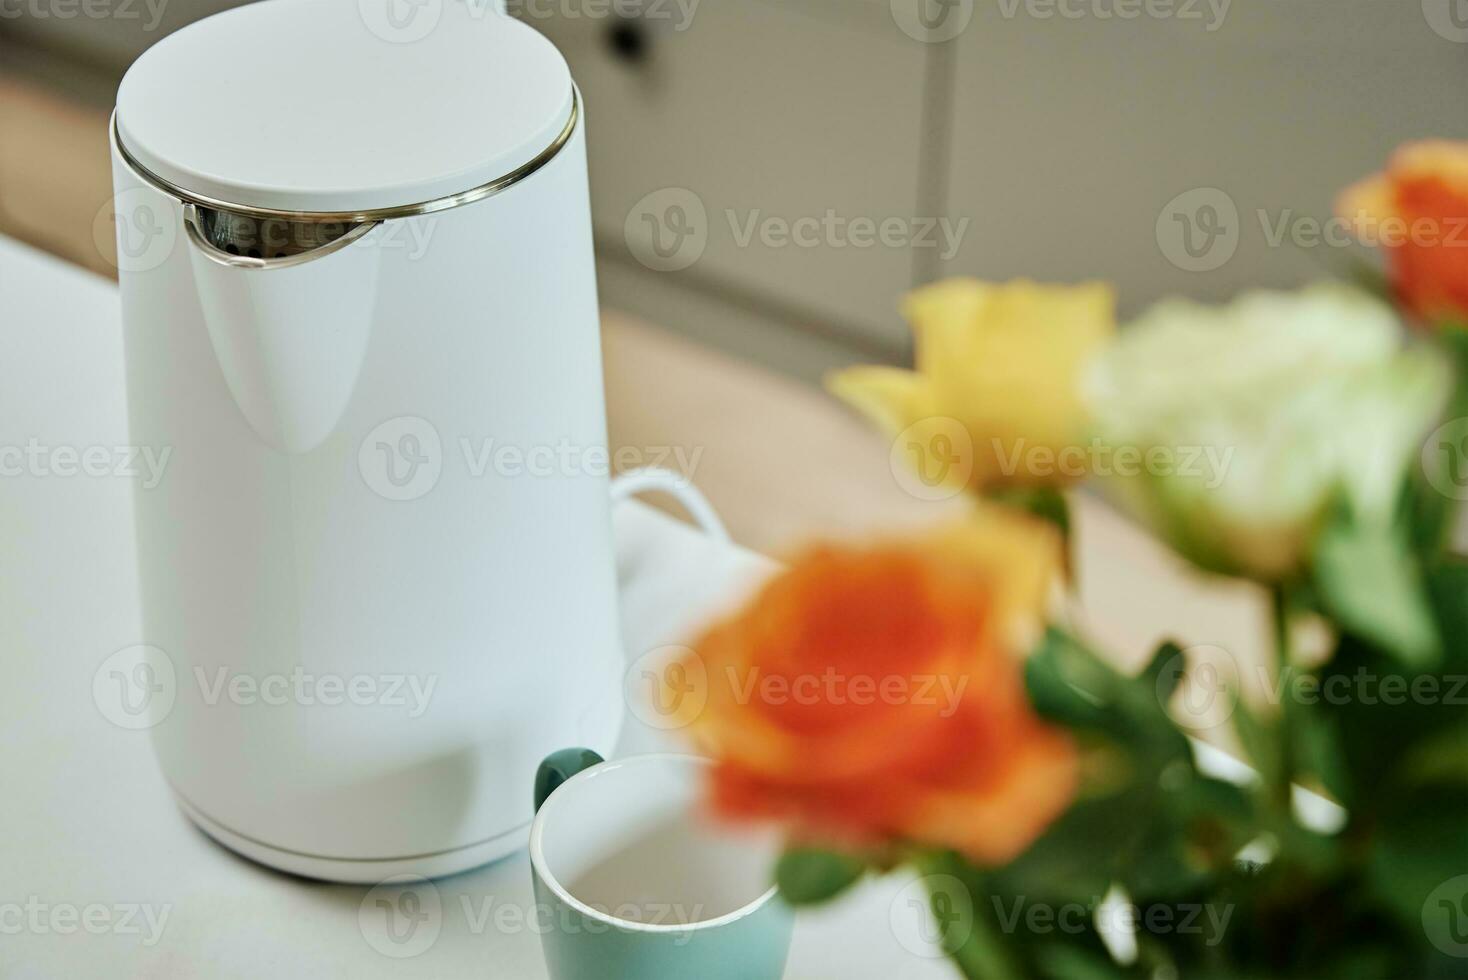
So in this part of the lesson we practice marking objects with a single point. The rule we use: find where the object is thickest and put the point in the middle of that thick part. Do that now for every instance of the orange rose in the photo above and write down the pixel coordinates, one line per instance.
(1418, 211)
(877, 694)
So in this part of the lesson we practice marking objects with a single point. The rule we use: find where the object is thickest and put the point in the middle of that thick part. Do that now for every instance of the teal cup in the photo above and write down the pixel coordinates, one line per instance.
(633, 881)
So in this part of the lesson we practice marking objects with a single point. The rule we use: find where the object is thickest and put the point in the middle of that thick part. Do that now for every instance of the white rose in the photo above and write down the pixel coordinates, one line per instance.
(1292, 400)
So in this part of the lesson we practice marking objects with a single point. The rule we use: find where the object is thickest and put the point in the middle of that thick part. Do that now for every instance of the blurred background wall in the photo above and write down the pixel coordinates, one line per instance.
(770, 175)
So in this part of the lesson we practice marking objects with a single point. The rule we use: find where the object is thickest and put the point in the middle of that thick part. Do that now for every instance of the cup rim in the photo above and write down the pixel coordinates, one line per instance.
(542, 870)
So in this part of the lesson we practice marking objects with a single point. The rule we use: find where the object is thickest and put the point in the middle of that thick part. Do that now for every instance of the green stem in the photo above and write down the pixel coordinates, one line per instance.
(1048, 504)
(979, 953)
(1283, 724)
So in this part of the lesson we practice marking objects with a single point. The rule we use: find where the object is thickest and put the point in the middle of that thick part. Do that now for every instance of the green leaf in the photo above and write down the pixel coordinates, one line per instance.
(1369, 582)
(1062, 962)
(1166, 670)
(975, 943)
(1372, 736)
(1049, 505)
(1062, 687)
(1070, 685)
(1081, 854)
(1046, 503)
(809, 876)
(1317, 750)
(1439, 759)
(1263, 749)
(1428, 512)
(1447, 583)
(1422, 845)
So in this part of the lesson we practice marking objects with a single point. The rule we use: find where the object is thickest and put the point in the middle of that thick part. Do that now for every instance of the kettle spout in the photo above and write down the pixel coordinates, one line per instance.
(288, 306)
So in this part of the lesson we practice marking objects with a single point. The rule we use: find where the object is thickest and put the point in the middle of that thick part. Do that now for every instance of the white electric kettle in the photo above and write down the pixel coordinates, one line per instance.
(360, 307)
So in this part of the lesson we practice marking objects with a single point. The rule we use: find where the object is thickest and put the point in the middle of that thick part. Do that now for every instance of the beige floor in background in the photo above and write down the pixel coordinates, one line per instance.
(55, 178)
(780, 461)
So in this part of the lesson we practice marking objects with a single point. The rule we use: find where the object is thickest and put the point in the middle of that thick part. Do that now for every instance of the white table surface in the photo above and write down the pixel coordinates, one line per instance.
(87, 826)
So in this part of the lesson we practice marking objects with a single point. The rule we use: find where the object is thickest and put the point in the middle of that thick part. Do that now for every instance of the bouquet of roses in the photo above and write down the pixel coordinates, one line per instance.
(980, 740)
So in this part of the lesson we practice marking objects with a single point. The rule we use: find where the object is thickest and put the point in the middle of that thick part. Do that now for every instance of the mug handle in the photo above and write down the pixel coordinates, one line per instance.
(648, 478)
(559, 767)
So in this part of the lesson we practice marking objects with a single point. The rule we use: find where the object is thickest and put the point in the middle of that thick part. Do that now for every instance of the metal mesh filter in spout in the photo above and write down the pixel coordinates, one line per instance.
(267, 238)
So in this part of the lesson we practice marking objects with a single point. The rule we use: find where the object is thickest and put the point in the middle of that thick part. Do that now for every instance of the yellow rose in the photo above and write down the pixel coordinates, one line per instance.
(999, 365)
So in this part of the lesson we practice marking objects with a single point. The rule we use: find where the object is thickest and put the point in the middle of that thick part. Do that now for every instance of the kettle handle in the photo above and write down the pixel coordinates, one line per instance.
(652, 478)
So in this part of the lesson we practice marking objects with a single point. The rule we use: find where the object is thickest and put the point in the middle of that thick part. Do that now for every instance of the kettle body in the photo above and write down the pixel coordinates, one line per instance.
(377, 574)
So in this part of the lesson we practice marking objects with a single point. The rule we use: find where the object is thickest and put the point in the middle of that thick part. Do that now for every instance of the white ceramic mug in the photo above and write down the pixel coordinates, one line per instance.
(641, 885)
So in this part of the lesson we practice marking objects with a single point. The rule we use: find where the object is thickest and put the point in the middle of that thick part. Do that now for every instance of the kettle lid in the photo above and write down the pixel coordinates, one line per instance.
(325, 106)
